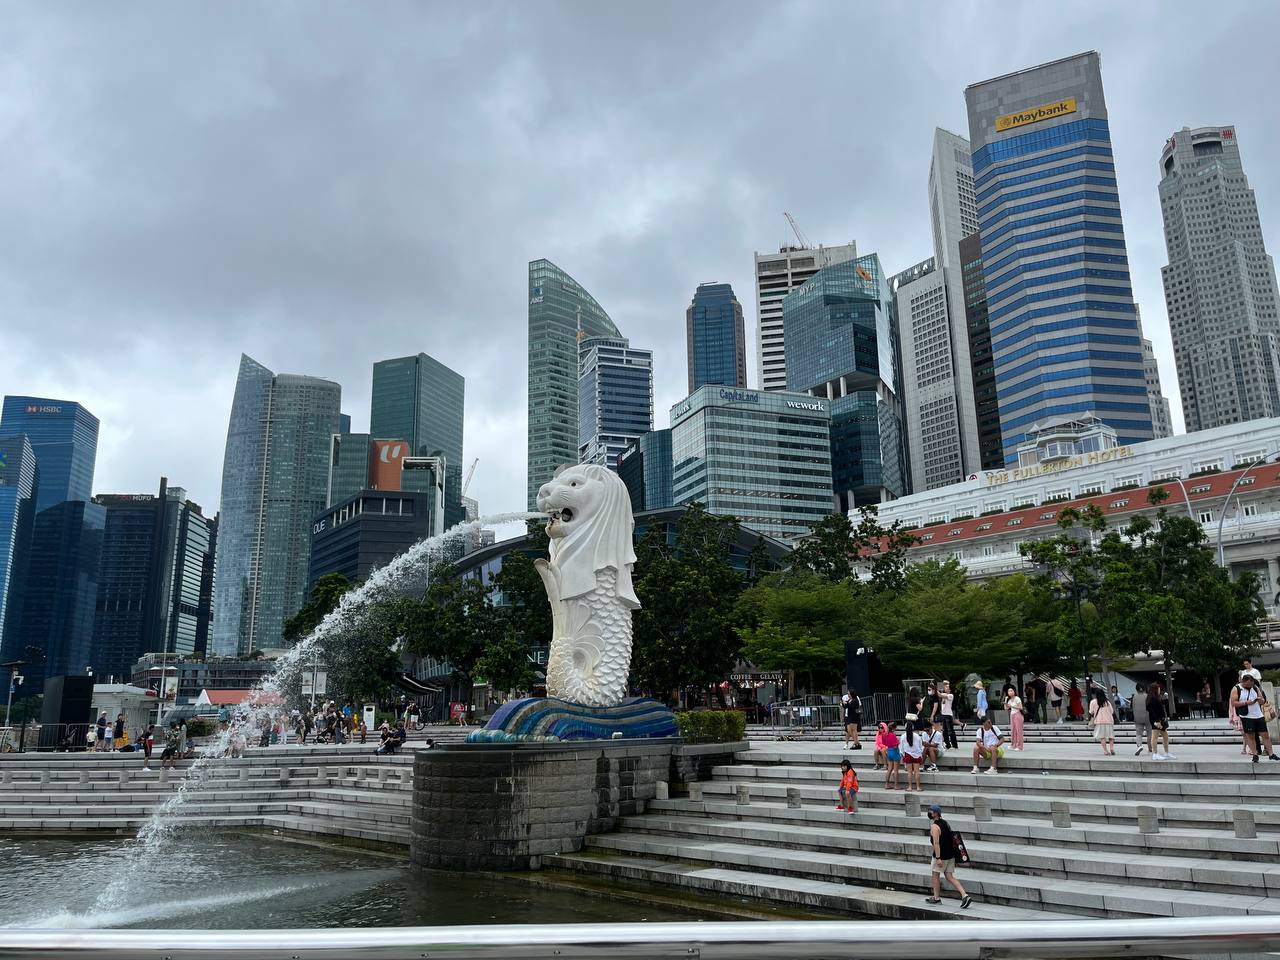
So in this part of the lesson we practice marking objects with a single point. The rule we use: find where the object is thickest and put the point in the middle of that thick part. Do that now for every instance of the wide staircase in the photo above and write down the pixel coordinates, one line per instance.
(345, 794)
(1057, 834)
(1182, 731)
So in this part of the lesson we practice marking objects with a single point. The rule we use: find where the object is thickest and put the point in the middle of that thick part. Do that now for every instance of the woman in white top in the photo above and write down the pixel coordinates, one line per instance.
(1102, 717)
(1013, 703)
(912, 745)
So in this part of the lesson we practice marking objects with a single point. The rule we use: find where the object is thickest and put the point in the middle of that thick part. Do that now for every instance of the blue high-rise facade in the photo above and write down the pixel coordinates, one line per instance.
(1065, 337)
(645, 467)
(715, 338)
(64, 436)
(841, 345)
(275, 479)
(55, 628)
(19, 478)
(420, 400)
(615, 398)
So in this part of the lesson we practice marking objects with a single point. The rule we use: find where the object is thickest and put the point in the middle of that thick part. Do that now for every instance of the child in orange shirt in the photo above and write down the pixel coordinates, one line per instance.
(848, 788)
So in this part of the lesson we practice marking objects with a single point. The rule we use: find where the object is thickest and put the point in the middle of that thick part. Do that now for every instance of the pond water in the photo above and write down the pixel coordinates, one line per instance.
(246, 881)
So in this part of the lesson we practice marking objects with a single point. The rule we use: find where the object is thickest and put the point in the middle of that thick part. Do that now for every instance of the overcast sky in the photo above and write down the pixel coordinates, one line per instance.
(322, 185)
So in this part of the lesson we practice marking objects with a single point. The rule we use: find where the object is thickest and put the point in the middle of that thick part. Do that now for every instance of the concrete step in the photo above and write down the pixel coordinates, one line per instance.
(1191, 843)
(1012, 856)
(1096, 898)
(847, 900)
(375, 834)
(1085, 809)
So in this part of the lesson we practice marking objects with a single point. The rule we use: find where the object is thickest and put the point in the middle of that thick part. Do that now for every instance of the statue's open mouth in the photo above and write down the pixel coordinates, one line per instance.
(564, 514)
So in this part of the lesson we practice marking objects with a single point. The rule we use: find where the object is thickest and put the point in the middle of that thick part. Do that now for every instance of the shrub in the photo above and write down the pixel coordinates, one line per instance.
(1204, 473)
(963, 516)
(1125, 486)
(202, 727)
(711, 726)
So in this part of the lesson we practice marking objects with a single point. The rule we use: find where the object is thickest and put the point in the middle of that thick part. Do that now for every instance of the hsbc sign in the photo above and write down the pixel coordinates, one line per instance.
(43, 408)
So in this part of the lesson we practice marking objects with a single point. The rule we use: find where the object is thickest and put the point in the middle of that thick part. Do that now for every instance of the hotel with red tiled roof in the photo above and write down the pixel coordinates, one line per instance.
(982, 521)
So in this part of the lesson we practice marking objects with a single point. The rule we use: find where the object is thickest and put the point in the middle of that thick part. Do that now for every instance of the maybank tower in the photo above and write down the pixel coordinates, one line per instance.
(1065, 334)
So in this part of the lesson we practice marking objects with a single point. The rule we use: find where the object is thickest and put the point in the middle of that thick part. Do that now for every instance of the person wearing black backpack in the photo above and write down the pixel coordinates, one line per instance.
(945, 851)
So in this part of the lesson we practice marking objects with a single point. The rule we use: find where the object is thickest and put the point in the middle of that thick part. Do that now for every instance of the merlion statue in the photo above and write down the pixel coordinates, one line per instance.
(588, 581)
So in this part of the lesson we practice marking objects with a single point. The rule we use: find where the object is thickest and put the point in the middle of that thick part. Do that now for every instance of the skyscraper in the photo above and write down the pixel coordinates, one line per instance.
(274, 481)
(560, 313)
(645, 467)
(348, 465)
(841, 345)
(1064, 330)
(64, 437)
(1161, 420)
(777, 274)
(615, 398)
(715, 337)
(420, 400)
(986, 402)
(18, 482)
(55, 628)
(1220, 284)
(764, 458)
(953, 211)
(154, 548)
(929, 363)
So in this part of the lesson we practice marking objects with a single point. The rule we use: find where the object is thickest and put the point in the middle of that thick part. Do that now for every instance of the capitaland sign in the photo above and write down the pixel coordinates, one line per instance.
(739, 396)
(1046, 111)
(997, 477)
(804, 405)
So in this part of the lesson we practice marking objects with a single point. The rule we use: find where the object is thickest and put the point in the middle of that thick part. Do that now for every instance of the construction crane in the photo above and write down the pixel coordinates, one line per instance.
(471, 472)
(795, 228)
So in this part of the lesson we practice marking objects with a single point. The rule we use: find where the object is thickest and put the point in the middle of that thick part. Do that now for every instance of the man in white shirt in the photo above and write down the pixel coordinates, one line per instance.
(987, 746)
(1249, 671)
(934, 744)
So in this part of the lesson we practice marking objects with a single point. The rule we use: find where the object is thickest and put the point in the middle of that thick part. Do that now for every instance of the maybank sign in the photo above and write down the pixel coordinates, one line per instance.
(1046, 111)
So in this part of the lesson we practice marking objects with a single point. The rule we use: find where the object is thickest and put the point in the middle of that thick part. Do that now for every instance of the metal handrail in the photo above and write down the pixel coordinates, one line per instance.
(778, 940)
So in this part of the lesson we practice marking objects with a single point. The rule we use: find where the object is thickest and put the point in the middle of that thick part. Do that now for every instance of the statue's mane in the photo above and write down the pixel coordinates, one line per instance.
(605, 540)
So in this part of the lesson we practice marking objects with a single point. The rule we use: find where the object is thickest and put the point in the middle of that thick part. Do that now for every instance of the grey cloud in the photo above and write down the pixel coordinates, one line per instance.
(326, 184)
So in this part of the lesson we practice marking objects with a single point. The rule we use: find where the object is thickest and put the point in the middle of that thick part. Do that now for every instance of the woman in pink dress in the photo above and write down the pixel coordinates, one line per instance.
(1013, 703)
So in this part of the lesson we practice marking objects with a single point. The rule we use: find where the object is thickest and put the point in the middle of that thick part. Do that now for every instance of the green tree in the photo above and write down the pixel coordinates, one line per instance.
(685, 629)
(524, 603)
(942, 626)
(837, 549)
(454, 622)
(505, 660)
(798, 622)
(325, 595)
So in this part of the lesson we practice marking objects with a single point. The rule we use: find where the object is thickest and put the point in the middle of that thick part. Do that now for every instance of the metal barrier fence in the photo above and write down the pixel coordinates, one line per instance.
(776, 940)
(821, 713)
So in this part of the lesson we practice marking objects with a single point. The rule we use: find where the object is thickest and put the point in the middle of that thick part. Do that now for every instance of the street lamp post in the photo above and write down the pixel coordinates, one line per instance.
(1185, 496)
(1227, 503)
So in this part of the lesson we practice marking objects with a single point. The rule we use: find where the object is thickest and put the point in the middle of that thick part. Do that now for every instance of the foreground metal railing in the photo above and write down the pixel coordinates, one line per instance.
(865, 940)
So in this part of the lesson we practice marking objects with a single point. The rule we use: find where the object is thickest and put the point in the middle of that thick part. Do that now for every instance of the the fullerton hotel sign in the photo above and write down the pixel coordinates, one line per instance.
(996, 477)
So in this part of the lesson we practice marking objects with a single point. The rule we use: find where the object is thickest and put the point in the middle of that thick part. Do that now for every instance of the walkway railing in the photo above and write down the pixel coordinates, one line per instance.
(777, 940)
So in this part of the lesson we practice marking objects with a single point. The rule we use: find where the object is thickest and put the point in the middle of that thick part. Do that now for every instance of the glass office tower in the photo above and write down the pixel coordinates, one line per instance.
(645, 467)
(420, 400)
(841, 345)
(1065, 337)
(275, 479)
(561, 312)
(715, 337)
(64, 436)
(615, 398)
(763, 457)
(19, 478)
(55, 628)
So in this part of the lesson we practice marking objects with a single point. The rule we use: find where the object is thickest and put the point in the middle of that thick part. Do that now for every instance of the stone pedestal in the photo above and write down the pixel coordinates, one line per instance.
(504, 806)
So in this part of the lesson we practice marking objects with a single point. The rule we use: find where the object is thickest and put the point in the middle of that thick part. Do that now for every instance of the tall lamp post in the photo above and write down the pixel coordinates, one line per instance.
(1262, 461)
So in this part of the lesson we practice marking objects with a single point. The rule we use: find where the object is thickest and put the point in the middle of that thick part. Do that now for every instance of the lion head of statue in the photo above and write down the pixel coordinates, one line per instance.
(590, 527)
